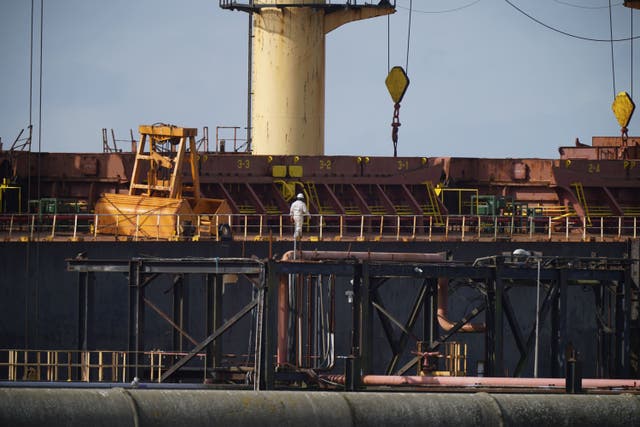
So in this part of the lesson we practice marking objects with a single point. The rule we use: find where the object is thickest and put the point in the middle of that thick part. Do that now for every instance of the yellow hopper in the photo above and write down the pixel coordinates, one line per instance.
(157, 208)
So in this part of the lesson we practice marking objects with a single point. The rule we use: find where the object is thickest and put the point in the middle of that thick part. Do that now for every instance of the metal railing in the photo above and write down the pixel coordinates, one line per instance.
(83, 366)
(248, 227)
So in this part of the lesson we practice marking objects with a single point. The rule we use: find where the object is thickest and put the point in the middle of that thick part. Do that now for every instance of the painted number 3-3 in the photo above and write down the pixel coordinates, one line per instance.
(244, 164)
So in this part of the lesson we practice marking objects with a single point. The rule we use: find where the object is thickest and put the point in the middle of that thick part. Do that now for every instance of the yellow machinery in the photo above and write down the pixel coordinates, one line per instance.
(10, 197)
(161, 207)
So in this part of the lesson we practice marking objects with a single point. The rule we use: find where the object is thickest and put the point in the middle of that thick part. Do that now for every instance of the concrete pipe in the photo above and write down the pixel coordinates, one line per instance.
(140, 407)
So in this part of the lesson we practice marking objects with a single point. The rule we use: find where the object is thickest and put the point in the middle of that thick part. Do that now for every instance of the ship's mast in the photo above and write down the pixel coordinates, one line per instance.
(288, 69)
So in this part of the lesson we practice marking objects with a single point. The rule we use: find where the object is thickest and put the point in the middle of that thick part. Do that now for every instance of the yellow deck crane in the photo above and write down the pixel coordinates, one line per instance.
(161, 206)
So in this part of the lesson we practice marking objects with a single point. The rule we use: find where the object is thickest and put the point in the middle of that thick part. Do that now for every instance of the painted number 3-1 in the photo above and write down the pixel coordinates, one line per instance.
(403, 164)
(594, 168)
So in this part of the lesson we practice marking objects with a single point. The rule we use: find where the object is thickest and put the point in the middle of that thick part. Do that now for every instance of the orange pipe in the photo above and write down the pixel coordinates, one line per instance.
(283, 317)
(399, 380)
(443, 307)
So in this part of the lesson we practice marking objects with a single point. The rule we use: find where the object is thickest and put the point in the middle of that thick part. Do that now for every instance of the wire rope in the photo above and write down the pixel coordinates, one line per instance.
(409, 35)
(613, 66)
(388, 43)
(575, 36)
(584, 7)
(441, 11)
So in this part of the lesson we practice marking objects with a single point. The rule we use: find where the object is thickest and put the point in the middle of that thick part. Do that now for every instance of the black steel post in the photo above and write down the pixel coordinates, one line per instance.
(623, 325)
(140, 320)
(267, 333)
(490, 334)
(366, 337)
(430, 317)
(573, 379)
(213, 312)
(498, 319)
(136, 318)
(178, 311)
(85, 309)
(352, 368)
(133, 291)
(259, 382)
(597, 300)
(559, 326)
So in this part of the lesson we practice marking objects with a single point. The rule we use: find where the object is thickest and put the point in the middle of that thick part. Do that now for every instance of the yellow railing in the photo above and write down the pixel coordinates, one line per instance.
(355, 227)
(81, 366)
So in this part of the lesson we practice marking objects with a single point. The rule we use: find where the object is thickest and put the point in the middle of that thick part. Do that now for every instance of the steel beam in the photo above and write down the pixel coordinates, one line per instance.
(430, 313)
(184, 360)
(544, 309)
(413, 316)
(85, 310)
(267, 333)
(493, 334)
(170, 265)
(214, 316)
(366, 321)
(623, 326)
(559, 326)
(136, 318)
(512, 319)
(179, 310)
(444, 337)
(166, 317)
(352, 367)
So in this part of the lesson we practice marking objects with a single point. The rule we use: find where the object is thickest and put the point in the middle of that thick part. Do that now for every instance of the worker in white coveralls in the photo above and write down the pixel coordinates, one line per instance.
(298, 212)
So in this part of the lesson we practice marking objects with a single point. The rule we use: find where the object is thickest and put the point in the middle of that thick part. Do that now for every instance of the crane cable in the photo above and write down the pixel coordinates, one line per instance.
(388, 43)
(408, 39)
(557, 30)
(584, 7)
(409, 35)
(455, 9)
(613, 67)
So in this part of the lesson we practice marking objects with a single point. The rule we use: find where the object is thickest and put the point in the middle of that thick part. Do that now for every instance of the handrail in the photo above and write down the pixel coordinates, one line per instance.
(248, 227)
(80, 365)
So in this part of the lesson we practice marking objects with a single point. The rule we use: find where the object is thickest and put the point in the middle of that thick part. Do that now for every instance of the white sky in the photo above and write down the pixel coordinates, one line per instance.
(486, 81)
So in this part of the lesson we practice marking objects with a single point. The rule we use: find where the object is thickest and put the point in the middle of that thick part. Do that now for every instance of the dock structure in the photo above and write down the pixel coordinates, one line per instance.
(293, 310)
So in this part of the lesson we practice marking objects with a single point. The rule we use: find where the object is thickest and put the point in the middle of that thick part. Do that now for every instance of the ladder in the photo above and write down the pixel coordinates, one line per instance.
(582, 200)
(310, 187)
(433, 208)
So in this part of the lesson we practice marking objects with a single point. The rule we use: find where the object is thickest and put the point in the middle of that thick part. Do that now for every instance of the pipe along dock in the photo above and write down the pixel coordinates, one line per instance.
(138, 407)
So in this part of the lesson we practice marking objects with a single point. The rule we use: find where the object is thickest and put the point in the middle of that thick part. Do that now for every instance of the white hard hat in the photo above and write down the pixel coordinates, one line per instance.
(300, 196)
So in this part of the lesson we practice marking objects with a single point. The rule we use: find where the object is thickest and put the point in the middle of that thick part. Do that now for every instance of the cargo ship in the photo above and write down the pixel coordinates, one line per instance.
(174, 264)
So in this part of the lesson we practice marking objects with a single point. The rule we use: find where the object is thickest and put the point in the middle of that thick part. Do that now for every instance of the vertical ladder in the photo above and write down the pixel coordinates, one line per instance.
(582, 200)
(313, 195)
(433, 208)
